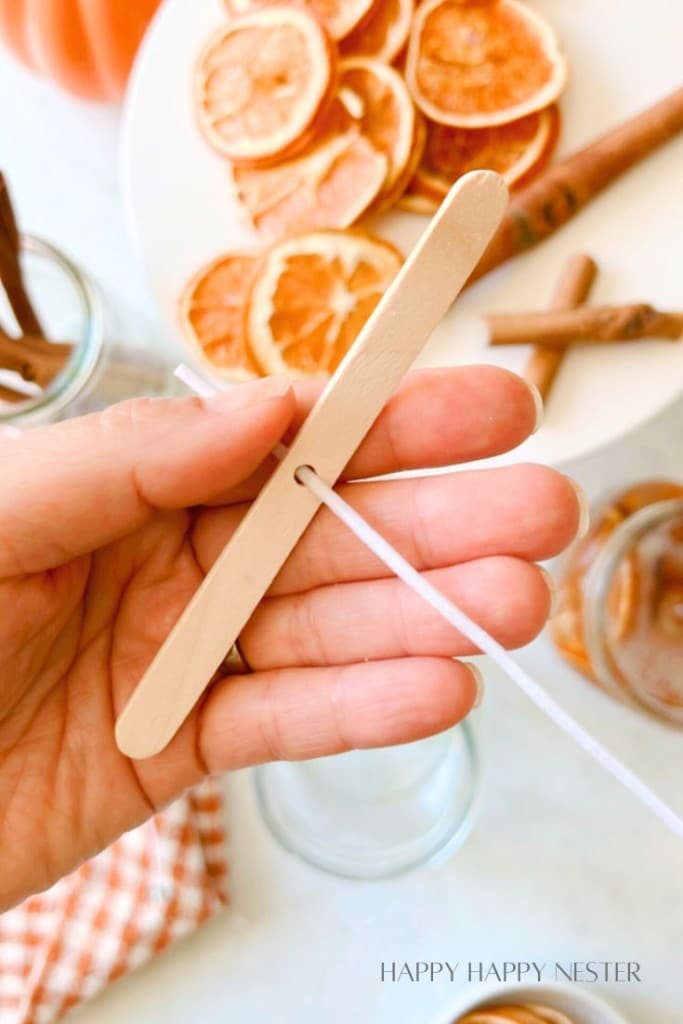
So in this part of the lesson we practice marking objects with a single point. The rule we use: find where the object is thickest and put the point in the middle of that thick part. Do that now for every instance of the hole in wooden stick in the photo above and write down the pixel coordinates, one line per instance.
(300, 474)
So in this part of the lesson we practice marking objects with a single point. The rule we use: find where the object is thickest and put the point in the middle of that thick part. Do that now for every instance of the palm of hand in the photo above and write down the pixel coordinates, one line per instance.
(76, 640)
(107, 527)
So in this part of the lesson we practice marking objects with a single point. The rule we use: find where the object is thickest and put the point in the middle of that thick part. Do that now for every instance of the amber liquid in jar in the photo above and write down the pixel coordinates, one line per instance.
(620, 610)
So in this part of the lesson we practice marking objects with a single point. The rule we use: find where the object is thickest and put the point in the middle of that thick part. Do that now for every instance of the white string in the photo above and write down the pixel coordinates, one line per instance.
(469, 629)
(194, 381)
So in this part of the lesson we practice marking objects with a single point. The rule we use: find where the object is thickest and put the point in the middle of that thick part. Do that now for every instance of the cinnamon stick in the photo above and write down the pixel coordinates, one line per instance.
(572, 289)
(34, 359)
(9, 395)
(566, 187)
(11, 275)
(586, 325)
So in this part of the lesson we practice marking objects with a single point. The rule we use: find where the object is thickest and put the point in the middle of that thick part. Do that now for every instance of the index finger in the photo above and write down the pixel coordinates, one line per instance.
(438, 417)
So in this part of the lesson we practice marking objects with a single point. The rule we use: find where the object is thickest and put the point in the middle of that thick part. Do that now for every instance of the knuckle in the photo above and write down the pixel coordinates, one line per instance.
(132, 411)
(138, 412)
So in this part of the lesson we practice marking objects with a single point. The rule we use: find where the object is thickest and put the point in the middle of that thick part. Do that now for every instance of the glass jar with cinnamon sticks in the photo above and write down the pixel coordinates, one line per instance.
(58, 354)
(620, 611)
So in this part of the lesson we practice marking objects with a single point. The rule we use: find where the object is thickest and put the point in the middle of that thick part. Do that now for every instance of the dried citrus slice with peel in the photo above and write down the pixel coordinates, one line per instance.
(311, 297)
(512, 150)
(481, 63)
(390, 197)
(416, 200)
(385, 113)
(212, 315)
(338, 16)
(544, 156)
(263, 81)
(384, 33)
(329, 186)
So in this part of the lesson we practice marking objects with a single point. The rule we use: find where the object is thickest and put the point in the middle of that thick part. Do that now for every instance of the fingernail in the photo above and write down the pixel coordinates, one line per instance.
(550, 582)
(538, 402)
(478, 682)
(584, 509)
(252, 393)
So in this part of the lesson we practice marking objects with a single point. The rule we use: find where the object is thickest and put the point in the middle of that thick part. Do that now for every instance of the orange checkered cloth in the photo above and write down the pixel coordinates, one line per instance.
(152, 886)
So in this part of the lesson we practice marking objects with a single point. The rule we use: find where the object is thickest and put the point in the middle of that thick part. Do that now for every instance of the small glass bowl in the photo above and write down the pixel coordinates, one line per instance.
(371, 814)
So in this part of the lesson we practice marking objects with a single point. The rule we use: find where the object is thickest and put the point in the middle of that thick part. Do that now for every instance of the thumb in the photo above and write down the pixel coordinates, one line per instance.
(70, 488)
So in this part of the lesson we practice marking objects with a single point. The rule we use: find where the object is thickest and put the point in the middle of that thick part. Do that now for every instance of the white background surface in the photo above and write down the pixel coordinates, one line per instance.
(562, 865)
(181, 203)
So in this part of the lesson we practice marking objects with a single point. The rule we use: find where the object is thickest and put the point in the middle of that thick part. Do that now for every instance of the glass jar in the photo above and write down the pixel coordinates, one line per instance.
(620, 608)
(371, 814)
(101, 371)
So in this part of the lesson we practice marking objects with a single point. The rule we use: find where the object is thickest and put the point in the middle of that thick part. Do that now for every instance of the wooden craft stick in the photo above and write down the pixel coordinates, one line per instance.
(566, 187)
(572, 289)
(409, 311)
(585, 325)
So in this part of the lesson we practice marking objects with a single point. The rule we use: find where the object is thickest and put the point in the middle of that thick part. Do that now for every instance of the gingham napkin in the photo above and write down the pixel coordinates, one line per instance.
(152, 886)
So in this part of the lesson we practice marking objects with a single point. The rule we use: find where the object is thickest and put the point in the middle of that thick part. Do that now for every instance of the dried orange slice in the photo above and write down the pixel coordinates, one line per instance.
(212, 315)
(262, 83)
(545, 155)
(416, 200)
(384, 33)
(329, 186)
(391, 197)
(511, 149)
(623, 597)
(338, 16)
(385, 113)
(311, 297)
(478, 63)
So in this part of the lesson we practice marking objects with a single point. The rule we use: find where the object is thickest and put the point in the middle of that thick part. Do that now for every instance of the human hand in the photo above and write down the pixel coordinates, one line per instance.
(108, 525)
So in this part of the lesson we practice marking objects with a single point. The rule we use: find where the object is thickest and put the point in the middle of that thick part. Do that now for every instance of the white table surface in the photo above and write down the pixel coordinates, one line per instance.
(562, 865)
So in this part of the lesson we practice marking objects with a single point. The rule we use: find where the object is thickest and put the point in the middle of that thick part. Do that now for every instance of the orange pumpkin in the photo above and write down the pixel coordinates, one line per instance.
(85, 46)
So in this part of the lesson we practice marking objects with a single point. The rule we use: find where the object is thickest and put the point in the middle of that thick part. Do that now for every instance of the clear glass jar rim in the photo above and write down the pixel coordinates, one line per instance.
(79, 370)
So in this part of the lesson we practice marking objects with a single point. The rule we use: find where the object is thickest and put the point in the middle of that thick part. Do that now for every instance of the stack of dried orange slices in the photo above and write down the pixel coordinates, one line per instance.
(329, 112)
(515, 1014)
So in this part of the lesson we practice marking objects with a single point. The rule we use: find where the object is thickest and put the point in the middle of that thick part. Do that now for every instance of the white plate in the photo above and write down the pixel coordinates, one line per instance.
(181, 213)
(578, 1003)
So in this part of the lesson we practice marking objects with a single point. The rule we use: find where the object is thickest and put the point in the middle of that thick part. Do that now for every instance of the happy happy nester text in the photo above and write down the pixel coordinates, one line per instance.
(586, 971)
